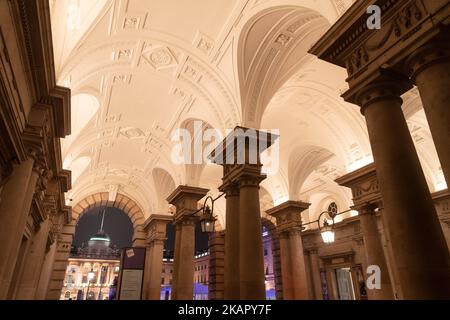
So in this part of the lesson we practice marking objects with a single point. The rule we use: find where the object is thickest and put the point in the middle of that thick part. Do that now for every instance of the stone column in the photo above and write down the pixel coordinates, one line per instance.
(27, 285)
(176, 257)
(429, 67)
(231, 276)
(239, 154)
(155, 228)
(14, 208)
(315, 274)
(293, 269)
(374, 252)
(216, 266)
(185, 199)
(423, 262)
(251, 258)
(147, 271)
(44, 278)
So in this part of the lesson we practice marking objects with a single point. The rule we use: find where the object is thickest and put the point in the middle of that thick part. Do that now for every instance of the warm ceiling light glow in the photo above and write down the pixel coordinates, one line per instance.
(328, 236)
(73, 17)
(355, 165)
(440, 185)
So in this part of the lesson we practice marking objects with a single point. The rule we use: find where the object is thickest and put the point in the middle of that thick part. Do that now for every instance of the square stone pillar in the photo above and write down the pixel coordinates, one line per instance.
(239, 154)
(155, 227)
(17, 195)
(293, 268)
(28, 283)
(216, 265)
(366, 197)
(441, 201)
(185, 199)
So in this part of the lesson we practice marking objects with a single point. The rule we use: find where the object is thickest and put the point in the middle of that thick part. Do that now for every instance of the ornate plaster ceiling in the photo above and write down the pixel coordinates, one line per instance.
(138, 70)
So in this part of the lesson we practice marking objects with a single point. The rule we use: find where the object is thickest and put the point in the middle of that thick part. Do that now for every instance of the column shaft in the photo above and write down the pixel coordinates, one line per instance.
(147, 271)
(232, 290)
(375, 255)
(185, 279)
(44, 278)
(176, 258)
(298, 266)
(154, 290)
(28, 283)
(315, 273)
(430, 67)
(14, 208)
(251, 258)
(286, 267)
(423, 262)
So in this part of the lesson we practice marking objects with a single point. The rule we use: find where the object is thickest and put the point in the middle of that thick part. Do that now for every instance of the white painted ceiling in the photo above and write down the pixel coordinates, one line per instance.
(139, 69)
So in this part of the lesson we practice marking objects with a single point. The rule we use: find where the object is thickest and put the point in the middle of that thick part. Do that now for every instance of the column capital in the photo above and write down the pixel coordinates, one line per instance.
(366, 208)
(242, 146)
(387, 86)
(155, 227)
(185, 199)
(231, 189)
(433, 52)
(364, 185)
(288, 215)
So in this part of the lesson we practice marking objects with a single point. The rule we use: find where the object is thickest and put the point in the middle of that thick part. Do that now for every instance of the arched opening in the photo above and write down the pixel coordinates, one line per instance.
(272, 264)
(201, 264)
(93, 265)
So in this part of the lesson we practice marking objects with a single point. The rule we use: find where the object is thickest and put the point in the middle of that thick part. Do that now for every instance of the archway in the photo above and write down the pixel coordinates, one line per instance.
(120, 201)
(272, 264)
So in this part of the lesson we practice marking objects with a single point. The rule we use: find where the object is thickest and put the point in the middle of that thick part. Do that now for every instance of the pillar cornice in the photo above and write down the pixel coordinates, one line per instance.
(185, 199)
(364, 185)
(288, 215)
(350, 44)
(155, 227)
(434, 52)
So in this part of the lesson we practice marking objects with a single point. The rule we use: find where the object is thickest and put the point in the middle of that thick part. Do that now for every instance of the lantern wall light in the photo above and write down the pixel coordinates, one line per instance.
(326, 229)
(207, 217)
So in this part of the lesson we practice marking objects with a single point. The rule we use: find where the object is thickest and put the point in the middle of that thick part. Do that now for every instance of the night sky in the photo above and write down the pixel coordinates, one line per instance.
(119, 228)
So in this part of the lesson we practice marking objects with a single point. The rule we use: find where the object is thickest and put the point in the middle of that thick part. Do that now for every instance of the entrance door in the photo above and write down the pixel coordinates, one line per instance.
(344, 284)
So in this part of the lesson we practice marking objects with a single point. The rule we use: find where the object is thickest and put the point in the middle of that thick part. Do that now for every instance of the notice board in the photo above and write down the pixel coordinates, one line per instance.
(131, 276)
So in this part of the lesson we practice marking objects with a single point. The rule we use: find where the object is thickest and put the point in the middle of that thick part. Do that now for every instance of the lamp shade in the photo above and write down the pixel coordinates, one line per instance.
(327, 233)
(207, 220)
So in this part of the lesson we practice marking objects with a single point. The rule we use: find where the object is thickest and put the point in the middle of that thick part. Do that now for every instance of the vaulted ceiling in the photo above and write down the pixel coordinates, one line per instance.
(139, 70)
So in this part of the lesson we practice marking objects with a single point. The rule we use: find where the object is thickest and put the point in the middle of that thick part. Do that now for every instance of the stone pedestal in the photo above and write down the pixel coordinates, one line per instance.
(185, 199)
(293, 272)
(155, 228)
(429, 67)
(14, 208)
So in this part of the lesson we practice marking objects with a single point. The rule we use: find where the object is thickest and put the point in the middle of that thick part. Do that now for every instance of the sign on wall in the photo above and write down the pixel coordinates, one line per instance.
(131, 277)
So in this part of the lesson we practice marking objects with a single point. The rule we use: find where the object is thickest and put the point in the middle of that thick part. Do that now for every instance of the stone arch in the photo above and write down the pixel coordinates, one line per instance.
(302, 161)
(269, 48)
(121, 201)
(271, 228)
